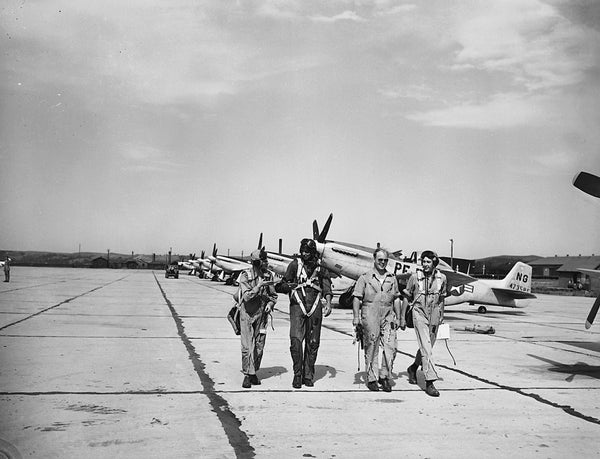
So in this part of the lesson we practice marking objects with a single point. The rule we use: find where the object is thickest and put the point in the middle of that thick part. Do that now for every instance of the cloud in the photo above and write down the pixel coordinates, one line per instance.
(501, 111)
(390, 10)
(559, 161)
(146, 158)
(344, 16)
(529, 40)
(417, 92)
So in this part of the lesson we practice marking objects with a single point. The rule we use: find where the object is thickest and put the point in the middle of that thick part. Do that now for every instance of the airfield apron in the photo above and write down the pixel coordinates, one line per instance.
(377, 314)
(428, 298)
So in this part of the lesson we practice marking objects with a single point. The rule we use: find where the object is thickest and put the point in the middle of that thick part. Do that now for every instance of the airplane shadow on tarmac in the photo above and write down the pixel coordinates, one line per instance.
(493, 313)
(577, 369)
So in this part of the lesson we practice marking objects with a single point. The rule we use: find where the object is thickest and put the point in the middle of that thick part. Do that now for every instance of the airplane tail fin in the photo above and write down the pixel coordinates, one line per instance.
(519, 278)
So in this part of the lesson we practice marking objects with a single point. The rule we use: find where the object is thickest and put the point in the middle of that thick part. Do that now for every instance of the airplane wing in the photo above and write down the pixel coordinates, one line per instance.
(514, 294)
(456, 279)
(591, 272)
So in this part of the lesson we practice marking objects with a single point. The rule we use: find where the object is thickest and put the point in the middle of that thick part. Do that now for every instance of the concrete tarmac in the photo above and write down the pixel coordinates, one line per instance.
(126, 363)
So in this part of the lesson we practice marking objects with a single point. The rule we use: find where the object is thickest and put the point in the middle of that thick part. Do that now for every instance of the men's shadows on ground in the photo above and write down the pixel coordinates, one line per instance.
(321, 371)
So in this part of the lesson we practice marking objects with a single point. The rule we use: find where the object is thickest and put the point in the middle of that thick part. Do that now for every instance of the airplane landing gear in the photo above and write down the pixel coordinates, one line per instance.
(481, 309)
(346, 298)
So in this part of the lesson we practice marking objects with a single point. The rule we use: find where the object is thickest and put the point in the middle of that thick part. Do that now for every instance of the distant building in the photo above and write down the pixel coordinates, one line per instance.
(99, 262)
(136, 263)
(565, 271)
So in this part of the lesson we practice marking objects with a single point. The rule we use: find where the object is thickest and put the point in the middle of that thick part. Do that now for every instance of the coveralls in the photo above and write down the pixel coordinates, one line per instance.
(426, 294)
(253, 319)
(7, 270)
(377, 314)
(306, 313)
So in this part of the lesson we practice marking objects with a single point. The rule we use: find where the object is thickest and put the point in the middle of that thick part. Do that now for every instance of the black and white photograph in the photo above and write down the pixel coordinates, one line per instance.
(299, 229)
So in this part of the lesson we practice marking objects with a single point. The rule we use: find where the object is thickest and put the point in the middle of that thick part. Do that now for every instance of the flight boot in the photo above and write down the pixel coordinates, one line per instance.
(412, 375)
(431, 390)
(385, 384)
(297, 382)
(308, 382)
(372, 385)
(247, 384)
(254, 380)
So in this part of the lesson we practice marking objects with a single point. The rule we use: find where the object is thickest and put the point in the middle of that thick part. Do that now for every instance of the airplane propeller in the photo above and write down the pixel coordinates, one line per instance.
(322, 236)
(588, 183)
(259, 241)
(592, 315)
(212, 262)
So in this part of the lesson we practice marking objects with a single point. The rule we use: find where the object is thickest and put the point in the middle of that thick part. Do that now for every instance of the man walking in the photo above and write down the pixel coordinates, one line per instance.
(378, 293)
(257, 298)
(426, 290)
(306, 282)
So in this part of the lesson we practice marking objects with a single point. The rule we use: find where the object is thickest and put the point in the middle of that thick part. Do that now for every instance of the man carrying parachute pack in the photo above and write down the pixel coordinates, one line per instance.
(256, 298)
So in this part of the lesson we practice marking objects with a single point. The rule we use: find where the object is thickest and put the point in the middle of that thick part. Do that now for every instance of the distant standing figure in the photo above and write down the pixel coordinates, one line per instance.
(377, 300)
(257, 298)
(426, 291)
(7, 270)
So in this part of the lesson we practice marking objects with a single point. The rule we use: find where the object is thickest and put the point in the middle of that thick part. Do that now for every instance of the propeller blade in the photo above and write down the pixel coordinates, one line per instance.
(592, 315)
(588, 183)
(315, 230)
(259, 241)
(323, 236)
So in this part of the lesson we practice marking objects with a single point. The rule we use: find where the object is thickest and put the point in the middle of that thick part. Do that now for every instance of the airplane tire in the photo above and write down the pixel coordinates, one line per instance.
(346, 300)
(481, 309)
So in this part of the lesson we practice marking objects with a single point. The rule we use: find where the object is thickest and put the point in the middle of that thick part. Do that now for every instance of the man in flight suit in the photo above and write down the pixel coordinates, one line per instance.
(257, 298)
(306, 282)
(426, 290)
(378, 291)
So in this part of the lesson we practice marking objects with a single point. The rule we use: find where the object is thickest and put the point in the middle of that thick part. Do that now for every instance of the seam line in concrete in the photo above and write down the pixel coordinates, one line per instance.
(61, 303)
(237, 438)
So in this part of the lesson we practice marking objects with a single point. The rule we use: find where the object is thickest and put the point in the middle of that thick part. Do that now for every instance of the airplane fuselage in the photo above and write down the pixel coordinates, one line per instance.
(352, 261)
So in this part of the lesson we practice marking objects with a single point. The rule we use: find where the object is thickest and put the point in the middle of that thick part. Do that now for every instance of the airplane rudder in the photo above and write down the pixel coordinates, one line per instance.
(519, 276)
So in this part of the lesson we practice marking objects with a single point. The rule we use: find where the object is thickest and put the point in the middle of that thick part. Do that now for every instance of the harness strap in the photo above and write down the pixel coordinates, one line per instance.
(302, 275)
(303, 307)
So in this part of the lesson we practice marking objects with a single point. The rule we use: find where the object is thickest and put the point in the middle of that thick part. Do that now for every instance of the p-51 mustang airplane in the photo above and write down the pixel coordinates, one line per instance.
(590, 184)
(353, 260)
(229, 266)
(278, 264)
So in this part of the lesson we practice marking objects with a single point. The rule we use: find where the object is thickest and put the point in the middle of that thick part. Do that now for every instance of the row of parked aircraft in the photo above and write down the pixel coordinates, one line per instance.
(347, 261)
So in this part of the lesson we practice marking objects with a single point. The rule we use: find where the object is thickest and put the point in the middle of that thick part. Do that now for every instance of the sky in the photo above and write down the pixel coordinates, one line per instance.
(145, 125)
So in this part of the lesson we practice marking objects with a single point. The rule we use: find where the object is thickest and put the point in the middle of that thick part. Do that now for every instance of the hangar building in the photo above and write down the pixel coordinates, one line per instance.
(565, 271)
